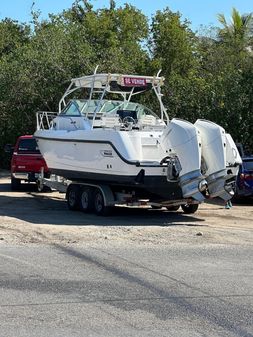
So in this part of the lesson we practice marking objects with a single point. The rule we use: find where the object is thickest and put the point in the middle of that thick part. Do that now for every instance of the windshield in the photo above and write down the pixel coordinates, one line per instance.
(248, 164)
(73, 108)
(107, 107)
(28, 146)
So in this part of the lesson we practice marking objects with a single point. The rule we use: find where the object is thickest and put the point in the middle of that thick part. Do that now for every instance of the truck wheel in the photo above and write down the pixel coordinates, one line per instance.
(72, 196)
(85, 199)
(99, 203)
(156, 207)
(172, 208)
(15, 183)
(189, 208)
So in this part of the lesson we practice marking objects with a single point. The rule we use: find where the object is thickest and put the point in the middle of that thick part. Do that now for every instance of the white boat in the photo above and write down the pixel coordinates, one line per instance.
(126, 146)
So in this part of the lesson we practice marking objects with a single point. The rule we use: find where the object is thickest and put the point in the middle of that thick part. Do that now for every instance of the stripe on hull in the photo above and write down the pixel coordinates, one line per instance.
(135, 162)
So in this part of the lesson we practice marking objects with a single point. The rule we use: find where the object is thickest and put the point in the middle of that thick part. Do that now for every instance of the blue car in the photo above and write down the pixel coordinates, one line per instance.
(244, 183)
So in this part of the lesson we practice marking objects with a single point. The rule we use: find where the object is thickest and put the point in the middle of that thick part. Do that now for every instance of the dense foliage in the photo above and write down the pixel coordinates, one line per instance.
(207, 75)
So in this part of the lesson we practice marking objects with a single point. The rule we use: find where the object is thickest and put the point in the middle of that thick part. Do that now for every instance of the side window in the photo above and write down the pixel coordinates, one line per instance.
(28, 146)
(248, 165)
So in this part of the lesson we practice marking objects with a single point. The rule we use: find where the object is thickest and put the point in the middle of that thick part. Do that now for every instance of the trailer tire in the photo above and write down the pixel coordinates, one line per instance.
(15, 184)
(99, 203)
(156, 207)
(189, 208)
(42, 188)
(173, 208)
(86, 199)
(73, 197)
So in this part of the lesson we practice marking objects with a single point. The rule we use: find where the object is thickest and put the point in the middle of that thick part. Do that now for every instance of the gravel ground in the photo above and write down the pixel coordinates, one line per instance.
(27, 216)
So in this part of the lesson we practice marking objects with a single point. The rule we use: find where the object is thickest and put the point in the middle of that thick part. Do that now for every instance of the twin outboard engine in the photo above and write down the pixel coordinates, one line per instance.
(208, 157)
(220, 157)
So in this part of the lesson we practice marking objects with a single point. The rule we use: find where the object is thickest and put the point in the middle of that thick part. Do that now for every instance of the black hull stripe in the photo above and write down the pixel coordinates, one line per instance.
(136, 163)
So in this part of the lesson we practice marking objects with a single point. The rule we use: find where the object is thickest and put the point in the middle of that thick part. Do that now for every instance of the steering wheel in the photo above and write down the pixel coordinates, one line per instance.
(129, 121)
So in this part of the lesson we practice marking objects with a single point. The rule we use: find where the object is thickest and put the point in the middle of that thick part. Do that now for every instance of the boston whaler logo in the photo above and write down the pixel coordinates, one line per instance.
(106, 153)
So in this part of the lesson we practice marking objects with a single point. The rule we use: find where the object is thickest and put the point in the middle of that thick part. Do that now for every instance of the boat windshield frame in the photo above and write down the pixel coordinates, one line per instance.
(125, 85)
(81, 107)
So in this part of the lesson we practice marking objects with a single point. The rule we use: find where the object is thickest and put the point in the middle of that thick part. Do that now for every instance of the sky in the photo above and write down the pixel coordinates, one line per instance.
(198, 12)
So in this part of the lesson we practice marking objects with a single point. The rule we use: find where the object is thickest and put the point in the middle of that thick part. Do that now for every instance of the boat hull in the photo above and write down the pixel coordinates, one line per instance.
(156, 187)
(101, 161)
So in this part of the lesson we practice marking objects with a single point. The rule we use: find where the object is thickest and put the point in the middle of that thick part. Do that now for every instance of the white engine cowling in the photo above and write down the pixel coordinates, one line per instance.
(217, 150)
(233, 158)
(183, 139)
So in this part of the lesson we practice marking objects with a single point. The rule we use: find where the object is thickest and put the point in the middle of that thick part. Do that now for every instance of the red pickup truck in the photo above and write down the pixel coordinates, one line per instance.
(26, 162)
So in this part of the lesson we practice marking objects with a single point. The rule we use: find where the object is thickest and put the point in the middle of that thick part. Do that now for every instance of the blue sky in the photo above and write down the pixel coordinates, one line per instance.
(197, 11)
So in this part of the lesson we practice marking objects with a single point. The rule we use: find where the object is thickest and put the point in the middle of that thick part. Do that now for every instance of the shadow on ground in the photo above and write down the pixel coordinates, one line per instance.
(38, 208)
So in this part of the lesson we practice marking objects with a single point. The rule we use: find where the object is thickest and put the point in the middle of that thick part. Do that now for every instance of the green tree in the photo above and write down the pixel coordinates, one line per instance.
(116, 35)
(172, 43)
(12, 36)
(173, 49)
(238, 31)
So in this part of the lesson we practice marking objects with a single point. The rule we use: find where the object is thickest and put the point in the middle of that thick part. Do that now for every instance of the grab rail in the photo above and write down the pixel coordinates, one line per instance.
(44, 119)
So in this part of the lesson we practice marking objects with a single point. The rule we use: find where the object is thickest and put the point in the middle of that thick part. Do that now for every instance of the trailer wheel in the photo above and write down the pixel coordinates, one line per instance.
(15, 183)
(85, 199)
(156, 207)
(99, 203)
(189, 208)
(72, 196)
(172, 208)
(42, 188)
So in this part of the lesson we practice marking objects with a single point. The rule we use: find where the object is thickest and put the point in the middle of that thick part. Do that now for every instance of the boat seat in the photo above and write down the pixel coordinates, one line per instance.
(110, 121)
(147, 120)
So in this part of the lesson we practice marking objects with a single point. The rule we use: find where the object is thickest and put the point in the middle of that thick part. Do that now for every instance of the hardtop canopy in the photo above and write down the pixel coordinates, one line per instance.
(126, 85)
(98, 81)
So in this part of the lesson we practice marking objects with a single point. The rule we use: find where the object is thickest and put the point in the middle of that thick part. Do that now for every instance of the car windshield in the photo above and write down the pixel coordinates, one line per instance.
(248, 164)
(28, 145)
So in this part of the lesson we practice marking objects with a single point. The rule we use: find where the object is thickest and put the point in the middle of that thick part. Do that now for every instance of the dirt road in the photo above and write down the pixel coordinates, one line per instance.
(31, 217)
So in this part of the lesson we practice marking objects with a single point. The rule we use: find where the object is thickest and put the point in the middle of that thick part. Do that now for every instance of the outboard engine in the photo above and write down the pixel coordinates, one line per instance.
(233, 161)
(183, 139)
(217, 150)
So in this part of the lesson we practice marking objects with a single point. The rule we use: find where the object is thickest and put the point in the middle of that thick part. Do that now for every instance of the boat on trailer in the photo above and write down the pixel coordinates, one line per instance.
(102, 139)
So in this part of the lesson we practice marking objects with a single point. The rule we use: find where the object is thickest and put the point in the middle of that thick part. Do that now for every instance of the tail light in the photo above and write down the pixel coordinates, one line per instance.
(246, 176)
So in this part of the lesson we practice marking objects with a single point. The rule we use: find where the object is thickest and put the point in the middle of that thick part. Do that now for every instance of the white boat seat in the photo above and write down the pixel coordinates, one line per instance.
(147, 120)
(110, 121)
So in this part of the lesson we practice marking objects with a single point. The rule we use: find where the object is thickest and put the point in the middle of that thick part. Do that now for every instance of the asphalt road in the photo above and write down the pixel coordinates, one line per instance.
(178, 290)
